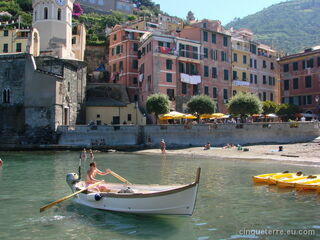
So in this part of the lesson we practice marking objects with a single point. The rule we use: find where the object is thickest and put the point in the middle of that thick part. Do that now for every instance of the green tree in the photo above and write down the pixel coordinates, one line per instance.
(287, 111)
(244, 104)
(269, 107)
(201, 104)
(158, 104)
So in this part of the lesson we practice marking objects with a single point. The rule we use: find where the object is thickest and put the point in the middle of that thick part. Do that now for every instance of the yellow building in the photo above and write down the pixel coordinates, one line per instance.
(109, 104)
(13, 40)
(240, 65)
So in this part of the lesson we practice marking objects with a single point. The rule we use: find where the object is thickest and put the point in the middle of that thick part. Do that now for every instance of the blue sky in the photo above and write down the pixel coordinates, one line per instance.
(225, 10)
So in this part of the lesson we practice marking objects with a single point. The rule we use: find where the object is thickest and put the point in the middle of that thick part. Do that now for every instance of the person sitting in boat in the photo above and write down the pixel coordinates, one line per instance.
(92, 172)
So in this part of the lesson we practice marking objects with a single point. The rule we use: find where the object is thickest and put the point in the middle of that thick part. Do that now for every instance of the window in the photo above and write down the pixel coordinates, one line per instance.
(98, 115)
(45, 13)
(223, 56)
(264, 79)
(251, 78)
(74, 40)
(206, 90)
(304, 65)
(205, 36)
(255, 79)
(271, 66)
(114, 37)
(255, 63)
(205, 52)
(214, 72)
(253, 48)
(270, 80)
(235, 57)
(149, 84)
(169, 77)
(135, 80)
(234, 75)
(135, 47)
(214, 92)
(5, 33)
(225, 74)
(160, 44)
(251, 62)
(121, 66)
(271, 96)
(309, 99)
(296, 83)
(308, 82)
(264, 64)
(286, 67)
(184, 88)
(181, 67)
(225, 41)
(6, 96)
(18, 47)
(5, 47)
(129, 117)
(286, 85)
(195, 90)
(295, 66)
(225, 94)
(135, 64)
(244, 76)
(213, 38)
(244, 59)
(214, 54)
(204, 25)
(310, 63)
(206, 71)
(264, 96)
(169, 64)
(118, 49)
(59, 14)
(170, 93)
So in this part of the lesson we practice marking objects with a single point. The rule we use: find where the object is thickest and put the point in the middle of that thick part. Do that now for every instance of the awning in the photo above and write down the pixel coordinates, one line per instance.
(190, 79)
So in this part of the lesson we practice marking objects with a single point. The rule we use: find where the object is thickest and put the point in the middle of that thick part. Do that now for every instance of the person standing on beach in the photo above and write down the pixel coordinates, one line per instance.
(163, 146)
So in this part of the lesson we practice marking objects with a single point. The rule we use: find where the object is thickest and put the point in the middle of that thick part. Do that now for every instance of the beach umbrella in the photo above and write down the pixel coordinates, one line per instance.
(172, 115)
(271, 115)
(218, 115)
(205, 116)
(189, 116)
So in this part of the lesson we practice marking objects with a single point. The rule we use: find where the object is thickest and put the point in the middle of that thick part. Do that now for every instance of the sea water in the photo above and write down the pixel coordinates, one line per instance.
(229, 205)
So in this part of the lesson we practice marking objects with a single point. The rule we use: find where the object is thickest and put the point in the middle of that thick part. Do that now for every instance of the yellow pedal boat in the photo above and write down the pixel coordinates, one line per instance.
(291, 182)
(263, 178)
(310, 185)
(287, 176)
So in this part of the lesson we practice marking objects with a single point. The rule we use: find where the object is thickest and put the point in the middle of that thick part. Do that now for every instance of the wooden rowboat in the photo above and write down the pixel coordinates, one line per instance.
(138, 199)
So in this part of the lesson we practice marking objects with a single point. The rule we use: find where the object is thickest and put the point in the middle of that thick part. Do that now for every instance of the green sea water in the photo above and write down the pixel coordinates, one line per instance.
(229, 205)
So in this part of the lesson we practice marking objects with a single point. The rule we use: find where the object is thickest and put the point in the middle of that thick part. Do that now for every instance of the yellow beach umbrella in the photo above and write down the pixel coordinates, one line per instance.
(217, 115)
(189, 116)
(206, 116)
(172, 115)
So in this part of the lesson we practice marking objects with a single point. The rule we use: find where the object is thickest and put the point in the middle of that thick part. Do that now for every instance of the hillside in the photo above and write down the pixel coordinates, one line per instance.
(290, 26)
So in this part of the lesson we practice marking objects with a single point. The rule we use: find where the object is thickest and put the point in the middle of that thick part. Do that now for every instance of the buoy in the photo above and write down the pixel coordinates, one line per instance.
(94, 197)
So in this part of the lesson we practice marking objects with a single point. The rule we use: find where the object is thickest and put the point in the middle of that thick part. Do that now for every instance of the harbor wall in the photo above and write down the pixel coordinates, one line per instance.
(187, 135)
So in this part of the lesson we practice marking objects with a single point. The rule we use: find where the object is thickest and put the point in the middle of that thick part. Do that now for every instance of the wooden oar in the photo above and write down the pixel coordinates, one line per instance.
(119, 177)
(67, 197)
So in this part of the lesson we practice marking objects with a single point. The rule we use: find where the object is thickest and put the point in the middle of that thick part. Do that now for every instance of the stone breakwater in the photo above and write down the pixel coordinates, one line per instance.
(187, 135)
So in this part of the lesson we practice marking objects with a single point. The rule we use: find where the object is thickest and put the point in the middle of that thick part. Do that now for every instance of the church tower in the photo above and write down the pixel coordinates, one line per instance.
(53, 20)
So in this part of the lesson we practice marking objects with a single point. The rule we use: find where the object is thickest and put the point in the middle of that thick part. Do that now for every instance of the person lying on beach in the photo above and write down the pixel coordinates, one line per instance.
(207, 146)
(229, 145)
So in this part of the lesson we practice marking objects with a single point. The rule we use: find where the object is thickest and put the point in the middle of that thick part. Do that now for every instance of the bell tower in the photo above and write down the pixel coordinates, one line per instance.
(53, 20)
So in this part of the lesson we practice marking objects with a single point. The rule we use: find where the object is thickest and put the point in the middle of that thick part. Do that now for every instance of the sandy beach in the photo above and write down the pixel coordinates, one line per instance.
(307, 152)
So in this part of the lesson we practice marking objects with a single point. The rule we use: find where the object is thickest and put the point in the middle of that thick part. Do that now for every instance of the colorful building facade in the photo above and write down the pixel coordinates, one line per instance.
(300, 80)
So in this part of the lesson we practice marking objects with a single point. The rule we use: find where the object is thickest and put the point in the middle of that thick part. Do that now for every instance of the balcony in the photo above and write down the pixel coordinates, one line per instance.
(240, 83)
(165, 50)
(241, 48)
(190, 54)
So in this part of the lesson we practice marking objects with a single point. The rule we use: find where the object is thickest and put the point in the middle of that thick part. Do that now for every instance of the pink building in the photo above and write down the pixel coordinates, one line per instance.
(216, 64)
(169, 65)
(300, 80)
(123, 58)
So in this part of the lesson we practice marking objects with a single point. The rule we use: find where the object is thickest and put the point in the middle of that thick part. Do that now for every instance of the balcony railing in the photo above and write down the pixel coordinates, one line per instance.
(180, 53)
(239, 47)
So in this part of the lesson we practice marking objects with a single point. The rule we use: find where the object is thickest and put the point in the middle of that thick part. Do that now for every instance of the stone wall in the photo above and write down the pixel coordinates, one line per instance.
(94, 56)
(181, 135)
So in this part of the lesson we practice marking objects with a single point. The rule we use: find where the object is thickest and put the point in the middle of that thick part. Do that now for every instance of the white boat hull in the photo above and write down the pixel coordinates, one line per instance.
(146, 199)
